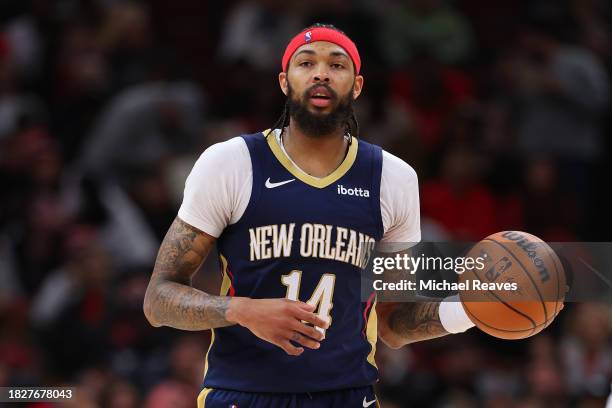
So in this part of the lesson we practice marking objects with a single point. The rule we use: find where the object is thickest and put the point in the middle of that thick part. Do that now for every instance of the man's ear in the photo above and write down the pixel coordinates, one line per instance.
(282, 80)
(358, 86)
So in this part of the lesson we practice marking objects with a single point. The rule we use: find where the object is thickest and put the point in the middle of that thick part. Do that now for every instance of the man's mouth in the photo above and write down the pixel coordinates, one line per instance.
(320, 96)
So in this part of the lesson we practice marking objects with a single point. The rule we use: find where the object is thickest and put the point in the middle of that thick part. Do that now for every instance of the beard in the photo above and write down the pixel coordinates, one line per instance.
(319, 124)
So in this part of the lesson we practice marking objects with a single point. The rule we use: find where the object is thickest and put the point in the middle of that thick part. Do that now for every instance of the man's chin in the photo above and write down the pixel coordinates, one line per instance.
(320, 110)
(319, 120)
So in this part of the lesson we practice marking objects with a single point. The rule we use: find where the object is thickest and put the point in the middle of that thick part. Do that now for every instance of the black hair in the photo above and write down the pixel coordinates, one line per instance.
(322, 25)
(351, 126)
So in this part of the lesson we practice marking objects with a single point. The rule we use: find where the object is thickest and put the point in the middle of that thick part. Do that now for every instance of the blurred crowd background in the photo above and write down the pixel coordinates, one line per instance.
(502, 107)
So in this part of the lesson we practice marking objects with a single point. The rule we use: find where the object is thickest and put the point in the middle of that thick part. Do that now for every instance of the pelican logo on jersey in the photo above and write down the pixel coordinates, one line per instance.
(355, 191)
(316, 241)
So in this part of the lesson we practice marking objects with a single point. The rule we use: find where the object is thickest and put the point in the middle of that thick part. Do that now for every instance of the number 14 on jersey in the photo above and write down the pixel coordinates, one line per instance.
(321, 298)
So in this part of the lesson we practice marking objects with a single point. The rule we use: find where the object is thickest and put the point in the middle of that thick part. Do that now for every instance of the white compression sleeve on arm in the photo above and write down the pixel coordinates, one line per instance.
(452, 316)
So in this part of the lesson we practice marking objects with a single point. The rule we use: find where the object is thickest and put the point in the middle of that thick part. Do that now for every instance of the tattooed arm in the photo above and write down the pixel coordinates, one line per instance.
(408, 322)
(401, 323)
(170, 299)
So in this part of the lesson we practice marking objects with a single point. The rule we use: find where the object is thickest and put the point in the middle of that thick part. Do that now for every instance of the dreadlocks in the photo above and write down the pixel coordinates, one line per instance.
(351, 125)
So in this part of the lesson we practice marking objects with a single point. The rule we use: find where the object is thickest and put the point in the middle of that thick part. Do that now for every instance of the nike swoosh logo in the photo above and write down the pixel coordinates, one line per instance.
(269, 184)
(368, 403)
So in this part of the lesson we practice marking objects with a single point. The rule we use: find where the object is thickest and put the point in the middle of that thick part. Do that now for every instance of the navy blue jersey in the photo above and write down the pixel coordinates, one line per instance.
(301, 238)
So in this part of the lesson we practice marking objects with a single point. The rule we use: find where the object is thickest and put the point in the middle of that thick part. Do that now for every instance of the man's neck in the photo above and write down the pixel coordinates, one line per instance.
(317, 156)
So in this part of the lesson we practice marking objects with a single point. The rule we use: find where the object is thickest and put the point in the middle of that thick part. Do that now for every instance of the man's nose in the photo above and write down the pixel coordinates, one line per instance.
(322, 73)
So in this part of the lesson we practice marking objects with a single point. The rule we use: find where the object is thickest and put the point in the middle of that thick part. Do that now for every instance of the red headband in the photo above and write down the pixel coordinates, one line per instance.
(311, 35)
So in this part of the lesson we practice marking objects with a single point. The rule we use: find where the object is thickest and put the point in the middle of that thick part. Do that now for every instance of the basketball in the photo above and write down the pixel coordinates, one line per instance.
(524, 285)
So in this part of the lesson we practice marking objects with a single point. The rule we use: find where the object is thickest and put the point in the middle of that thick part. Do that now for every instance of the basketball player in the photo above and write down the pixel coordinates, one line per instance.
(288, 209)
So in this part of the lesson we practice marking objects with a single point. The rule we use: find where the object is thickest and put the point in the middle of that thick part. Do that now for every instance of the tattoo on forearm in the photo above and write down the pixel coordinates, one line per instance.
(170, 299)
(187, 308)
(416, 321)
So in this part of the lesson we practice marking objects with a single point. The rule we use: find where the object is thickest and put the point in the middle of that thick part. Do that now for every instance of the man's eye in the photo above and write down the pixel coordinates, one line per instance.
(305, 64)
(337, 66)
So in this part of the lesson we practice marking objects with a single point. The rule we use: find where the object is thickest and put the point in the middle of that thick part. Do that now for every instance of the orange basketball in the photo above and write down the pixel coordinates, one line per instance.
(520, 289)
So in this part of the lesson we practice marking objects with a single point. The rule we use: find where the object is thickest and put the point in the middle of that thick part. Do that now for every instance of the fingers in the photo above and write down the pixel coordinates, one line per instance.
(311, 318)
(290, 348)
(304, 340)
(305, 306)
(294, 330)
(307, 330)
